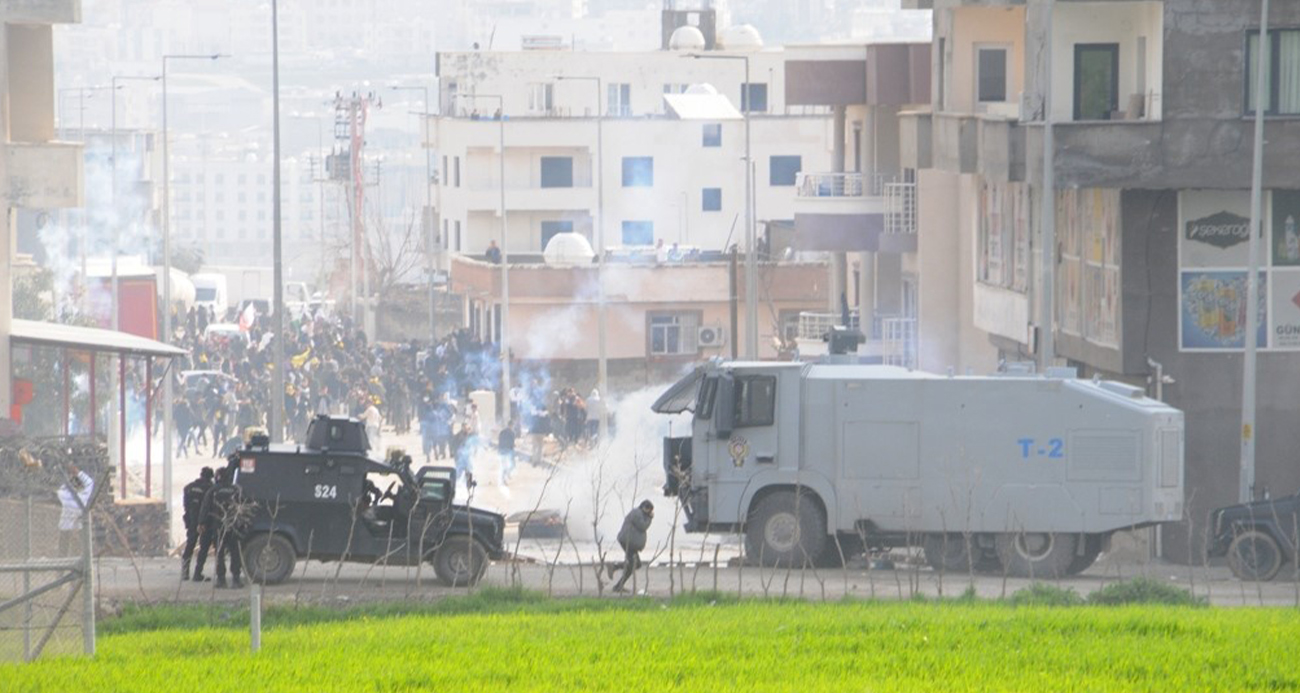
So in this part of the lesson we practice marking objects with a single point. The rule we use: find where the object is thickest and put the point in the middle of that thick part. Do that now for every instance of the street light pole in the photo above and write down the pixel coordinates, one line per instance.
(602, 357)
(277, 315)
(751, 260)
(167, 278)
(430, 246)
(117, 231)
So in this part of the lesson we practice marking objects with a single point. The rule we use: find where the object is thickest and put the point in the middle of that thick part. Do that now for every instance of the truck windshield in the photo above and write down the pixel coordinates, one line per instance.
(205, 294)
(704, 404)
(681, 396)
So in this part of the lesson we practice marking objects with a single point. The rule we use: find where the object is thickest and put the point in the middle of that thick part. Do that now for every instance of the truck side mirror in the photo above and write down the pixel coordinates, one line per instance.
(724, 409)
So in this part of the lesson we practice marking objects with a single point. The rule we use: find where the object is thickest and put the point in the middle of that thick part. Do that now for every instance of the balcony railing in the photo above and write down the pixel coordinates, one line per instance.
(898, 337)
(814, 326)
(900, 208)
(842, 184)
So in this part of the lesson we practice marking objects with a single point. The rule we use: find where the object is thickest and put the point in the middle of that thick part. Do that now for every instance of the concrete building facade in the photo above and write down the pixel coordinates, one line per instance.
(36, 170)
(664, 178)
(1152, 103)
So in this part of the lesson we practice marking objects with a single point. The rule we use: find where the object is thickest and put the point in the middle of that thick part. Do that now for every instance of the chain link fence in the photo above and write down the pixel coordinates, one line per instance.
(47, 490)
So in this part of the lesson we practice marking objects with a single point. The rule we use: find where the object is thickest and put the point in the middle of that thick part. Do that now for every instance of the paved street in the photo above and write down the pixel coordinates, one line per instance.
(329, 583)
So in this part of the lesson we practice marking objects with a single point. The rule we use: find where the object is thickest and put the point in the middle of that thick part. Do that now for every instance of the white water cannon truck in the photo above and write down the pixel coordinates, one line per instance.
(1020, 474)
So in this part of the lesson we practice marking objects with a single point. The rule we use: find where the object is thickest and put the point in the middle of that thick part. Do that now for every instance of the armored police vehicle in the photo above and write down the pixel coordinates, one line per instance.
(1024, 474)
(1258, 538)
(327, 500)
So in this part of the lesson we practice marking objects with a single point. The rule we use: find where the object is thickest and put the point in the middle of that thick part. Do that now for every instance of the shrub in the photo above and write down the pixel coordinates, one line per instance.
(1041, 594)
(1143, 590)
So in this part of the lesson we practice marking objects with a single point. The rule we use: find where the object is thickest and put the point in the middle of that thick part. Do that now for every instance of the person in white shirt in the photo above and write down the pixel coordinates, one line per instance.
(81, 486)
(372, 419)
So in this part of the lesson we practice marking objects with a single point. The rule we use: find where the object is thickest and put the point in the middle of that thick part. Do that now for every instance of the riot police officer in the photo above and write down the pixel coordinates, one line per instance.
(221, 511)
(192, 500)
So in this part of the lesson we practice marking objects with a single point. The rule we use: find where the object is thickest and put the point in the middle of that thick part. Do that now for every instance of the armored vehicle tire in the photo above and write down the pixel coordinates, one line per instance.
(460, 562)
(1255, 556)
(1091, 550)
(785, 531)
(947, 552)
(268, 558)
(1037, 554)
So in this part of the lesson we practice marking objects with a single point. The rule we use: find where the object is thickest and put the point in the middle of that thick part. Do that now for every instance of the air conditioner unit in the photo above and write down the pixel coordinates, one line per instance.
(711, 336)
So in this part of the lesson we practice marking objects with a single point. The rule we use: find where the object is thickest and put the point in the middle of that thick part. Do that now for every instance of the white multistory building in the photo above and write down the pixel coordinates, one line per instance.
(590, 134)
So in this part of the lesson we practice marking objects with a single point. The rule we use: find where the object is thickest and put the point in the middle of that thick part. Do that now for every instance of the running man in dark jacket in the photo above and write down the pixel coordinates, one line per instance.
(193, 503)
(632, 538)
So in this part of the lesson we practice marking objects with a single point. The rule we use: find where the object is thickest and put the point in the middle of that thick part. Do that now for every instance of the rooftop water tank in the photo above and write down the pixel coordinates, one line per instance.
(566, 249)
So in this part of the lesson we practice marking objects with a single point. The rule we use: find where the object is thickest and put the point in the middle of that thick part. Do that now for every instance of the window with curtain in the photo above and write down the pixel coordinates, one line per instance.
(1281, 72)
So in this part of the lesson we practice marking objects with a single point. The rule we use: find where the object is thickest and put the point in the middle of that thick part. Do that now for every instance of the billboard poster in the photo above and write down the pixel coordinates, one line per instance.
(1285, 309)
(1214, 229)
(1286, 228)
(1213, 311)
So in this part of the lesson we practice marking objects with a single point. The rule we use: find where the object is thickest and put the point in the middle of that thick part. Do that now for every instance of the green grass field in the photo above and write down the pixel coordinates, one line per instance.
(639, 645)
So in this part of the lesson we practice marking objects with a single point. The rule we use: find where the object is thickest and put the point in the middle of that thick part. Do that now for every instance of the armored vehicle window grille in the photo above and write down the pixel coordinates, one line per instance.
(1171, 456)
(755, 401)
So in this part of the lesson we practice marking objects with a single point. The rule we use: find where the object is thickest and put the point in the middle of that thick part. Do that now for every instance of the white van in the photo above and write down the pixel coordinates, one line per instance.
(210, 292)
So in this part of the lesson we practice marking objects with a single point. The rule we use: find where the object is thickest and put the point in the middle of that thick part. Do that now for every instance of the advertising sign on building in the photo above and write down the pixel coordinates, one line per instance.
(1214, 310)
(1214, 229)
(1214, 257)
(1285, 309)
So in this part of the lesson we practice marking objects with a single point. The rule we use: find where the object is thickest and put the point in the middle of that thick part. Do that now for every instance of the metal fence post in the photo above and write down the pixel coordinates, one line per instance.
(255, 615)
(87, 571)
(27, 585)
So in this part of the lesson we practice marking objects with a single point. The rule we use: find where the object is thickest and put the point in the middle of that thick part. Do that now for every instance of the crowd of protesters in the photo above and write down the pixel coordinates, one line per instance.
(224, 383)
(223, 387)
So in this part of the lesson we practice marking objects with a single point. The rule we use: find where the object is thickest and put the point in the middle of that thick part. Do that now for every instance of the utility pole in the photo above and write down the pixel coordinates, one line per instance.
(1046, 330)
(1246, 484)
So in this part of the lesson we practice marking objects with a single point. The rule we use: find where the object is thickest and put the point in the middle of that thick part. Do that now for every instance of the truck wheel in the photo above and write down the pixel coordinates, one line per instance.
(784, 533)
(1037, 554)
(1254, 556)
(1091, 550)
(460, 562)
(949, 553)
(269, 558)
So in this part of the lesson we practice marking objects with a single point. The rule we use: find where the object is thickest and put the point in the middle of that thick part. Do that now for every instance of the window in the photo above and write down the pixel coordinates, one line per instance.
(557, 172)
(1096, 80)
(676, 88)
(753, 97)
(458, 235)
(456, 166)
(672, 334)
(713, 134)
(711, 199)
(1281, 72)
(540, 97)
(638, 171)
(638, 233)
(243, 179)
(782, 170)
(551, 228)
(755, 400)
(990, 74)
(619, 99)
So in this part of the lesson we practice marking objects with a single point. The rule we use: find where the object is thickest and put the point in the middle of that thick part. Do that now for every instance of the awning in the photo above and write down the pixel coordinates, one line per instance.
(88, 339)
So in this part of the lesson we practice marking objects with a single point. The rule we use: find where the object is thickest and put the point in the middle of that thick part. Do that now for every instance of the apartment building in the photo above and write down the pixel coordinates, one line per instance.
(862, 210)
(602, 137)
(1152, 102)
(36, 170)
